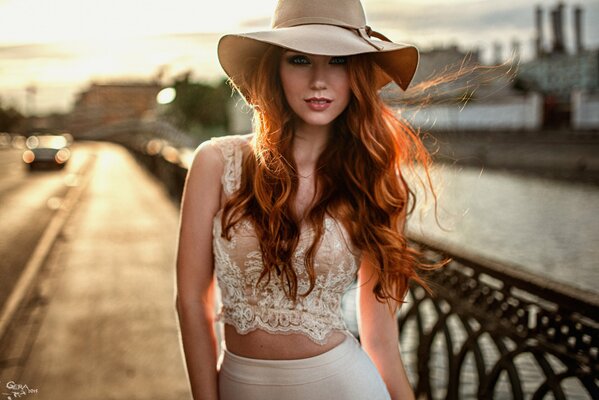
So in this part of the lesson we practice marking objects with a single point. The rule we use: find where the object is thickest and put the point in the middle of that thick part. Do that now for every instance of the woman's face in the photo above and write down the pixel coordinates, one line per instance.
(316, 87)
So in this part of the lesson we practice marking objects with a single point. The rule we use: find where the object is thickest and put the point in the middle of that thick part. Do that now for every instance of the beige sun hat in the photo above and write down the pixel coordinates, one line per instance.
(323, 27)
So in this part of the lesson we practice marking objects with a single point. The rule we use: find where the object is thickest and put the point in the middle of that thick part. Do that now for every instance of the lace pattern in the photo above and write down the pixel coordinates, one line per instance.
(238, 264)
(230, 147)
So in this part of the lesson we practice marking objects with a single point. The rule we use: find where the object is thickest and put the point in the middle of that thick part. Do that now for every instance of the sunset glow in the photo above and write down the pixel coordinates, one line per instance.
(38, 21)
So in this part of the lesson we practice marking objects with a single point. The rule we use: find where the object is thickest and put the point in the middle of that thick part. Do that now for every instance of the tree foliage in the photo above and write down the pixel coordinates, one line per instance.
(198, 103)
(10, 118)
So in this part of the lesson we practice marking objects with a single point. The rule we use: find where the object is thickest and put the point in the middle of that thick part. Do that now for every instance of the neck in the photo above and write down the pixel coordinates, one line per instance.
(308, 143)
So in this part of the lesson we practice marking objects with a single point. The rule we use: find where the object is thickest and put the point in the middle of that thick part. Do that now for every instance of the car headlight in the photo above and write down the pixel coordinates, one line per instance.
(62, 156)
(28, 156)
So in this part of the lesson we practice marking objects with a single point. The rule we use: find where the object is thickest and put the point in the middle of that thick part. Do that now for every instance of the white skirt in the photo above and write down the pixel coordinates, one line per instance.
(343, 373)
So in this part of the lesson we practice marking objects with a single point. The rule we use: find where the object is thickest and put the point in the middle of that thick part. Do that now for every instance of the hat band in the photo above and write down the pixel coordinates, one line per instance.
(365, 31)
(313, 20)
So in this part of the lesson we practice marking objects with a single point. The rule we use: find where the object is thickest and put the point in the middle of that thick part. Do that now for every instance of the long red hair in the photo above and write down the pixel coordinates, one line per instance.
(361, 174)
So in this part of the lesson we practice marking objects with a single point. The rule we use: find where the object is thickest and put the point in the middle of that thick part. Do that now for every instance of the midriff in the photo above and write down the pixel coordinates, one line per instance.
(268, 346)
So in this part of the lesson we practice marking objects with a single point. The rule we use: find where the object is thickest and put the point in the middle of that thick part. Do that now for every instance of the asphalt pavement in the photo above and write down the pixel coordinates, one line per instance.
(100, 322)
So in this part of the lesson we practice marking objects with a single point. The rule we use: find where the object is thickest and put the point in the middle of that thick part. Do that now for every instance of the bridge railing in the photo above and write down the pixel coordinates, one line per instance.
(490, 330)
(493, 330)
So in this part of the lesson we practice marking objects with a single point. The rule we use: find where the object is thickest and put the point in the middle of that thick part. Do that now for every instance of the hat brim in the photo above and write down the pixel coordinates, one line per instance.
(396, 61)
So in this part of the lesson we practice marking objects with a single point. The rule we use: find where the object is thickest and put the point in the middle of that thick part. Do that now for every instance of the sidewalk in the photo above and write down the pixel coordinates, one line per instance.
(107, 328)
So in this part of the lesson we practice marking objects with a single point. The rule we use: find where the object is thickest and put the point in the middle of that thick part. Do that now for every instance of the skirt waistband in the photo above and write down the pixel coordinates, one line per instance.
(297, 371)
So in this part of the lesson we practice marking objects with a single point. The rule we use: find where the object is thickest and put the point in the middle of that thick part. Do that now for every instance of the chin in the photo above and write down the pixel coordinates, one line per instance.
(318, 120)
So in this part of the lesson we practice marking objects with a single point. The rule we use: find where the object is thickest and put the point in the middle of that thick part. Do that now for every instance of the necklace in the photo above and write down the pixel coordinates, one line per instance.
(310, 174)
(296, 171)
(305, 176)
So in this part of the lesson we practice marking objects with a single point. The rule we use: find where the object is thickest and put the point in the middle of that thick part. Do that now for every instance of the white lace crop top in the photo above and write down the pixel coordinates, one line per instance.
(238, 264)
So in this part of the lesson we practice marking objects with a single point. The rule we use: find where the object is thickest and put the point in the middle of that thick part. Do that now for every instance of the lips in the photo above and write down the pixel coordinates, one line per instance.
(318, 103)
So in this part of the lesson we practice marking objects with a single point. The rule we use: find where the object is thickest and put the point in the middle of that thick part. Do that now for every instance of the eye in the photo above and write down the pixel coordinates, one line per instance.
(338, 60)
(298, 59)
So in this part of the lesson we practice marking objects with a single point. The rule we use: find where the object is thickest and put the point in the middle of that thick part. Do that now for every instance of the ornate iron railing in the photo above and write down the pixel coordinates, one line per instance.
(493, 331)
(489, 331)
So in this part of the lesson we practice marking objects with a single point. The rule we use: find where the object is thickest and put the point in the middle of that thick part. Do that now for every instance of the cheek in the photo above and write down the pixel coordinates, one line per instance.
(343, 88)
(290, 80)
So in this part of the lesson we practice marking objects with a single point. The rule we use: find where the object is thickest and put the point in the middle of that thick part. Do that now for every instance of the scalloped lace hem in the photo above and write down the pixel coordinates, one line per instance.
(320, 339)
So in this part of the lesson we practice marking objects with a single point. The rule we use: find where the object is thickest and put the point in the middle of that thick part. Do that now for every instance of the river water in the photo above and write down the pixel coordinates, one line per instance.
(546, 226)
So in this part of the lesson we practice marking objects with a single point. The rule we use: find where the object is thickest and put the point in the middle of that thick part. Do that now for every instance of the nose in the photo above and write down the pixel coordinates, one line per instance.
(318, 79)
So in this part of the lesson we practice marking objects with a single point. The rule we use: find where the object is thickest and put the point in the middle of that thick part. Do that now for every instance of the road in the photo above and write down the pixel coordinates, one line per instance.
(100, 321)
(28, 200)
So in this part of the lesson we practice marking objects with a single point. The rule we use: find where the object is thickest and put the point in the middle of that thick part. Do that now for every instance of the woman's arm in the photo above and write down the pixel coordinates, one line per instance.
(195, 293)
(379, 335)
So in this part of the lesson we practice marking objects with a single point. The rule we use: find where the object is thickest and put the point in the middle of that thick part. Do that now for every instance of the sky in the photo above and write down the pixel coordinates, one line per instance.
(60, 46)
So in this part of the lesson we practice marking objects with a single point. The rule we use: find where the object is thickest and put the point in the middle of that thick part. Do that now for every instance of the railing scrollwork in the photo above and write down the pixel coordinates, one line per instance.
(494, 331)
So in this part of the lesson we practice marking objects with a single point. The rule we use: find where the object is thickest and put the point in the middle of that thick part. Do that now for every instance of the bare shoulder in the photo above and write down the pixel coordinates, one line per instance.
(207, 160)
(203, 182)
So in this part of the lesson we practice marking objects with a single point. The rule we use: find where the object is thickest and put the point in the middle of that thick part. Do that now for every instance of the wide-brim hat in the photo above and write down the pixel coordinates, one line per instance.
(322, 27)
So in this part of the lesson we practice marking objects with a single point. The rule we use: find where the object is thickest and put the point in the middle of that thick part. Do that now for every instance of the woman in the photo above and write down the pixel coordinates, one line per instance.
(287, 217)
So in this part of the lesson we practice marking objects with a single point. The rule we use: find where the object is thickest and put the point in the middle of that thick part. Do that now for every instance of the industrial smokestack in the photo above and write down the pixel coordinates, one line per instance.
(539, 38)
(497, 50)
(578, 29)
(558, 31)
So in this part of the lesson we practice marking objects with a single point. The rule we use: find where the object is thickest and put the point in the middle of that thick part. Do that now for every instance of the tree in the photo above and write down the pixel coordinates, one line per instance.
(10, 118)
(198, 103)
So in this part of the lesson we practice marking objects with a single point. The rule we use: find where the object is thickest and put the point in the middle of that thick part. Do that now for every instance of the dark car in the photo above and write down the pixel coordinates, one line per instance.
(49, 151)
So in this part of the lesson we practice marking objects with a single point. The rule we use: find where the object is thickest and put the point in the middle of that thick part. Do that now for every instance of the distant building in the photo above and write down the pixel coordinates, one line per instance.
(560, 73)
(435, 60)
(585, 110)
(105, 104)
(558, 89)
(454, 91)
(447, 74)
(563, 75)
